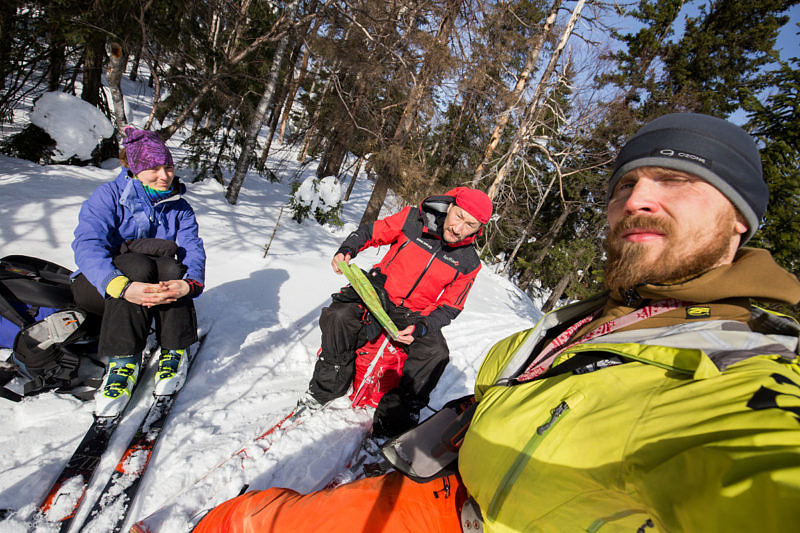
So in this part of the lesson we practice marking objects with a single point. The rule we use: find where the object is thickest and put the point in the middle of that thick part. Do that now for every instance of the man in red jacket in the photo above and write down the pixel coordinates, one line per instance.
(426, 276)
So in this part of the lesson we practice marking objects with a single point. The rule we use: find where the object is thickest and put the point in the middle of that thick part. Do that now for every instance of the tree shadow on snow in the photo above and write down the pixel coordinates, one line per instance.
(245, 334)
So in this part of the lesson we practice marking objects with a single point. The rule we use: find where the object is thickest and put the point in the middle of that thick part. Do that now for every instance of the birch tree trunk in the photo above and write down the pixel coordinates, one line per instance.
(292, 92)
(516, 94)
(276, 106)
(532, 108)
(243, 163)
(116, 68)
(273, 127)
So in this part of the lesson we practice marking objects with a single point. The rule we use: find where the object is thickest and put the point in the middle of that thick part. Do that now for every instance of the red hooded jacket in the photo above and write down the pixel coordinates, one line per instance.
(424, 273)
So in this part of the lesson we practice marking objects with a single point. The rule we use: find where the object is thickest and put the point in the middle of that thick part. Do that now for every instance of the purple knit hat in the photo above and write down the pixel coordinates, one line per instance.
(145, 149)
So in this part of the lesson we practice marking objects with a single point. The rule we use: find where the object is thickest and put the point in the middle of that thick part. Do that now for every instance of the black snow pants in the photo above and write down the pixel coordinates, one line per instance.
(125, 325)
(346, 326)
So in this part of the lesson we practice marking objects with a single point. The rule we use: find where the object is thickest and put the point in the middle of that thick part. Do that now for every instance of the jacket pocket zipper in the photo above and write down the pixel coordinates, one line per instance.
(556, 415)
(399, 249)
(430, 261)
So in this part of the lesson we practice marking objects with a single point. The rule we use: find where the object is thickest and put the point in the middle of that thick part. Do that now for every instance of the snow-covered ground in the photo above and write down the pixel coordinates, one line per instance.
(260, 315)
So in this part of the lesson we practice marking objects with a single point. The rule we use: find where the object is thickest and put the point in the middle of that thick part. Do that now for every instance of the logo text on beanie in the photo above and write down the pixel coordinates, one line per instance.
(669, 152)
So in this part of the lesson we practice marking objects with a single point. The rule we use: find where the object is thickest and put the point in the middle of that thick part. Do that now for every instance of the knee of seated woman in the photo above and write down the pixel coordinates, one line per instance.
(137, 267)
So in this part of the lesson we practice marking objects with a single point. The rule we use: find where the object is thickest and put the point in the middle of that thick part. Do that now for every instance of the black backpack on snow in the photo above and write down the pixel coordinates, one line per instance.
(54, 343)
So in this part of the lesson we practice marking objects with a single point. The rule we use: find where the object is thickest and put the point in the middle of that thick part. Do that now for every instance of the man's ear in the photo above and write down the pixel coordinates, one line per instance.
(449, 207)
(740, 226)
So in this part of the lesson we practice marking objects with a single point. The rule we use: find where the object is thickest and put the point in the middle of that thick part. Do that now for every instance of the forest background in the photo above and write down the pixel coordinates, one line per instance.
(528, 100)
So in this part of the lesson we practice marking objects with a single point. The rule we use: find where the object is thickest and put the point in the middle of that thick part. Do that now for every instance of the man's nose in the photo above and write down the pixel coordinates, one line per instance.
(459, 228)
(642, 197)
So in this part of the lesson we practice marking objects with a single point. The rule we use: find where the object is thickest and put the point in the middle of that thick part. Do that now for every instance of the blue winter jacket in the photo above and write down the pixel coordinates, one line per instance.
(120, 211)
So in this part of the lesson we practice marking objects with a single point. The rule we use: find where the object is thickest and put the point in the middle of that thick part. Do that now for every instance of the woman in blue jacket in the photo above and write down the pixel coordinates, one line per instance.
(139, 259)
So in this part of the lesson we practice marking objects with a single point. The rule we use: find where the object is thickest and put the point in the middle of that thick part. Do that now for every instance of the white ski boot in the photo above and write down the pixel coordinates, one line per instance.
(171, 371)
(115, 392)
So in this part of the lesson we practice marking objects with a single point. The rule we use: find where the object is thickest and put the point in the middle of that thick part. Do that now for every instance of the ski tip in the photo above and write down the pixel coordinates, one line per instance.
(139, 528)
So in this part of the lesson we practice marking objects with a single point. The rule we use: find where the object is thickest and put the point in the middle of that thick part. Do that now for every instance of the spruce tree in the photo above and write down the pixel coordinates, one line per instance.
(716, 65)
(776, 123)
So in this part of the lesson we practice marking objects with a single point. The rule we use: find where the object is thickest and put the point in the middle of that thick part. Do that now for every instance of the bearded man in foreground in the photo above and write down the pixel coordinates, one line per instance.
(669, 403)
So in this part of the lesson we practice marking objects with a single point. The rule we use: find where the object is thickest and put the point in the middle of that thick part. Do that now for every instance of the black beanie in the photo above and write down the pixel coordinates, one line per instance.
(710, 148)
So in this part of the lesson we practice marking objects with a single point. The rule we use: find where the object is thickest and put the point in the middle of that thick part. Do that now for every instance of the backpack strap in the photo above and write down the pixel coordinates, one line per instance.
(10, 395)
(8, 372)
(29, 266)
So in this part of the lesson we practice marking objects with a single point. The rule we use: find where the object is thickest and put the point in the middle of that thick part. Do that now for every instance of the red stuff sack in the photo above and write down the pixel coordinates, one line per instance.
(379, 365)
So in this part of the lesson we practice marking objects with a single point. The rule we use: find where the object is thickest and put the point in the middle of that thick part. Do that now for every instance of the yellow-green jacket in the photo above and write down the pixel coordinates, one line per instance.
(698, 428)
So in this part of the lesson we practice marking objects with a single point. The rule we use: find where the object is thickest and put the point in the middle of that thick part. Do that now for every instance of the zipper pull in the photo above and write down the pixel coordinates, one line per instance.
(632, 298)
(554, 414)
(445, 489)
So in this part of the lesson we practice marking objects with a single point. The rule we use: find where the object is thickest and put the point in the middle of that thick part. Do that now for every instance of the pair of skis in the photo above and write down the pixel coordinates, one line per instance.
(227, 478)
(219, 482)
(67, 493)
(222, 481)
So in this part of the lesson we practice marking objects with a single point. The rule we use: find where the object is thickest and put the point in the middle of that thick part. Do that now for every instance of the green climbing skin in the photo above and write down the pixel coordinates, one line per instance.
(367, 292)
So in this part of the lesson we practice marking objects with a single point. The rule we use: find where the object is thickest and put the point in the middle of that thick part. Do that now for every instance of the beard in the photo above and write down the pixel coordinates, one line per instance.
(628, 264)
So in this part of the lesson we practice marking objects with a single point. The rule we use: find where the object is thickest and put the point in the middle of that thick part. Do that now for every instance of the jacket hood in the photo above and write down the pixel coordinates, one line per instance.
(753, 274)
(434, 207)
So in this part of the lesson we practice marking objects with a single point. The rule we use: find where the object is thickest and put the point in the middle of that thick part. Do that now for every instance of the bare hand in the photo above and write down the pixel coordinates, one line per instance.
(404, 335)
(338, 258)
(173, 289)
(152, 294)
